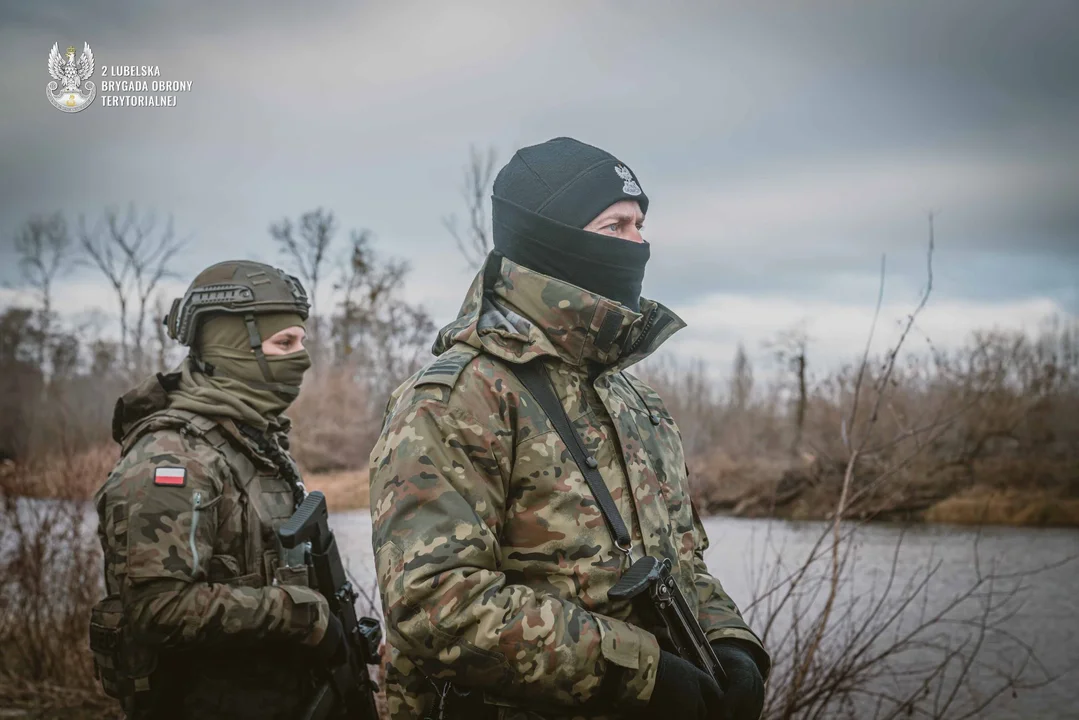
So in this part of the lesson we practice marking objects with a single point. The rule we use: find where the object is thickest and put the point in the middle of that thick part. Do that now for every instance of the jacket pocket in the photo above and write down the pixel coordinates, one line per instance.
(226, 569)
(172, 537)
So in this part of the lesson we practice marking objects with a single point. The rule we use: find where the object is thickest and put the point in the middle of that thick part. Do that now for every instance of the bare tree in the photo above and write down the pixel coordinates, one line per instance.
(889, 653)
(820, 625)
(134, 254)
(43, 246)
(741, 383)
(376, 329)
(307, 243)
(474, 240)
(366, 285)
(789, 350)
(21, 382)
(377, 340)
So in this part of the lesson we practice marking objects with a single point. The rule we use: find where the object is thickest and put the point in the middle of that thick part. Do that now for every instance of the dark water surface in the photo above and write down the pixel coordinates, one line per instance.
(1044, 612)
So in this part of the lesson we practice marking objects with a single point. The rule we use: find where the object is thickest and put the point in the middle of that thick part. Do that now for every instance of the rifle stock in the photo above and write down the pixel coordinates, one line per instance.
(348, 685)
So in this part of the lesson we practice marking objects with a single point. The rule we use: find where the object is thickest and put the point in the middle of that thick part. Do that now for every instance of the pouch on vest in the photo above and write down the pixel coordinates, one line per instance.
(290, 565)
(123, 668)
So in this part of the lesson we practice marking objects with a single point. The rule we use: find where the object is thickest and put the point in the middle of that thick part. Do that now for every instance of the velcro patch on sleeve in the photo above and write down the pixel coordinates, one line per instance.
(448, 366)
(170, 476)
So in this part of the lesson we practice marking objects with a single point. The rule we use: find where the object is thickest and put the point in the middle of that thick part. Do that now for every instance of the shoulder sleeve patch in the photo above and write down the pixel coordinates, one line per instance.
(447, 367)
(170, 476)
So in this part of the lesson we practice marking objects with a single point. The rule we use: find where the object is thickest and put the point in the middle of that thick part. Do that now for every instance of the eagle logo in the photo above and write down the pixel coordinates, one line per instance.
(74, 76)
(629, 185)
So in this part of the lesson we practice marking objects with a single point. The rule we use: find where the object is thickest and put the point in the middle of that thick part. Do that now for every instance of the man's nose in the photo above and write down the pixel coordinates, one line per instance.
(634, 235)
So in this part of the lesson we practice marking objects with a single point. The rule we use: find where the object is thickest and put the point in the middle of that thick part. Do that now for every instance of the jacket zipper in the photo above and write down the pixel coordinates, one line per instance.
(644, 331)
(196, 505)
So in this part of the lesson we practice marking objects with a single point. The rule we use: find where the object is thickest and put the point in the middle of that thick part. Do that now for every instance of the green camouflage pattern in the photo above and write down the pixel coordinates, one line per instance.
(493, 558)
(196, 567)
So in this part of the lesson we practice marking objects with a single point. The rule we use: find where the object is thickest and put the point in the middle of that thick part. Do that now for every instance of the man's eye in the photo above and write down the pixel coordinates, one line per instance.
(613, 227)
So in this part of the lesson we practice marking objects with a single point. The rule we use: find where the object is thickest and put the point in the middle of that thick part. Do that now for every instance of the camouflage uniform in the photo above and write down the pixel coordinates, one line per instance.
(205, 615)
(493, 558)
(194, 569)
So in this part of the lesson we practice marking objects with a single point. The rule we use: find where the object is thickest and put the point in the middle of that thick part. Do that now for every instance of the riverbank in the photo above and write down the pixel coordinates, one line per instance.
(800, 492)
(976, 493)
(804, 489)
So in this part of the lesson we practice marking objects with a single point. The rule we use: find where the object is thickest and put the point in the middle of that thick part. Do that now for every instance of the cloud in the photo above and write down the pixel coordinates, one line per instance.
(863, 204)
(785, 148)
(822, 230)
(837, 332)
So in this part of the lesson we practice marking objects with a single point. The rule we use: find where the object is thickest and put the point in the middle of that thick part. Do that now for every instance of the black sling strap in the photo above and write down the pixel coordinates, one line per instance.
(535, 379)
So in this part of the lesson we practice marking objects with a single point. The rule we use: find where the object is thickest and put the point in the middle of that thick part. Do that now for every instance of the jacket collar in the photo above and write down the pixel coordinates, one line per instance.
(517, 314)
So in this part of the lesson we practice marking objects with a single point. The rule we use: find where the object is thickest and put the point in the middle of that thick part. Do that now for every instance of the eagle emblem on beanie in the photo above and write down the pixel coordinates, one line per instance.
(629, 185)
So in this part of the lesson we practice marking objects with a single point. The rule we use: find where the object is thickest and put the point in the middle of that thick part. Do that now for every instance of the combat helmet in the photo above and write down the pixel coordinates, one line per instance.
(241, 287)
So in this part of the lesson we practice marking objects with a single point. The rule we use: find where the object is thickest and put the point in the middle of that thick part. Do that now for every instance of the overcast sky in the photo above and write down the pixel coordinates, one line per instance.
(784, 147)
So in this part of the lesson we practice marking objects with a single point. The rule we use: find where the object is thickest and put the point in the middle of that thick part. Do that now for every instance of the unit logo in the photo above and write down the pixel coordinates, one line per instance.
(72, 78)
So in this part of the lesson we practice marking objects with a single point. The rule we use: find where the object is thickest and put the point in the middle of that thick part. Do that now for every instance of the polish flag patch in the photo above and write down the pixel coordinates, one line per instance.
(171, 476)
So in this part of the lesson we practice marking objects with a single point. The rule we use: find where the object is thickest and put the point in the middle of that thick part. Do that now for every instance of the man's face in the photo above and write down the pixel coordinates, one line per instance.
(622, 220)
(285, 341)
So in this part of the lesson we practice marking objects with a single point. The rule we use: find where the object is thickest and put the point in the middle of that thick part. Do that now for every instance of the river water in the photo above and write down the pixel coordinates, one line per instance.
(1040, 608)
(1034, 599)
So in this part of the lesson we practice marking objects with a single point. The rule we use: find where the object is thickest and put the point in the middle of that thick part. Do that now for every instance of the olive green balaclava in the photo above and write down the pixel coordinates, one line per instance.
(234, 384)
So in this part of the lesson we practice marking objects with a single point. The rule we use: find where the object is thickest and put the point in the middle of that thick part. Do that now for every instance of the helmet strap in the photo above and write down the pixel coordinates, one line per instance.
(256, 346)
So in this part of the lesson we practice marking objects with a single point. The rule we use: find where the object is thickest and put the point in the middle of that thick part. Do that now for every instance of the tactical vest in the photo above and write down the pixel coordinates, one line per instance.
(255, 498)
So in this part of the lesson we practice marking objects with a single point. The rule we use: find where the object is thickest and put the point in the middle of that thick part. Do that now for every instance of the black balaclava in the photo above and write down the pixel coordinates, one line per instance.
(543, 197)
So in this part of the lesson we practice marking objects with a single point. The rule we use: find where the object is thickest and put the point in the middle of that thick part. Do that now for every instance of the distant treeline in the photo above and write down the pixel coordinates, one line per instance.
(979, 426)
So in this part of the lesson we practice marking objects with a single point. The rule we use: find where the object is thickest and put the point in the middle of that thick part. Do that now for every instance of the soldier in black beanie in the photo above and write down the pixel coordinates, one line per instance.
(567, 210)
(521, 472)
(574, 212)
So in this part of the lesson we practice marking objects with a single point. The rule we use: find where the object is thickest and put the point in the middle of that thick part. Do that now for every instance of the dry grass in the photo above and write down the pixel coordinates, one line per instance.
(335, 423)
(986, 506)
(348, 490)
(75, 476)
(721, 483)
(50, 577)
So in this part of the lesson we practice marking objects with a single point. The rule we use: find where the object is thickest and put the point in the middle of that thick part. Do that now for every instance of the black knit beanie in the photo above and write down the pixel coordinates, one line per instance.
(543, 198)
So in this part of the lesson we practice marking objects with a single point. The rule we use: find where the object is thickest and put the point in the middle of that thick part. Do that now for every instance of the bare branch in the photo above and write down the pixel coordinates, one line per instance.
(474, 240)
(133, 256)
(307, 244)
(43, 247)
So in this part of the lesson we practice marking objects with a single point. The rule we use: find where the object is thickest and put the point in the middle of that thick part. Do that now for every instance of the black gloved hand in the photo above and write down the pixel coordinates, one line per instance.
(744, 698)
(332, 648)
(683, 691)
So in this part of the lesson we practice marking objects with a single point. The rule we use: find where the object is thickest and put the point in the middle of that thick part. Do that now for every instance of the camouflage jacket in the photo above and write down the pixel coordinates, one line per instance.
(492, 556)
(187, 522)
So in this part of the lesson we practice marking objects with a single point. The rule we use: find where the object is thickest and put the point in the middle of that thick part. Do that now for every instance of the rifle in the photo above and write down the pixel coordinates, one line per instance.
(663, 606)
(657, 598)
(349, 689)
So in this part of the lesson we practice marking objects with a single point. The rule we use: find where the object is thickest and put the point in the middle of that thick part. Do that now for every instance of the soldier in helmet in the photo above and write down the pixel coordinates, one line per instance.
(495, 554)
(206, 616)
